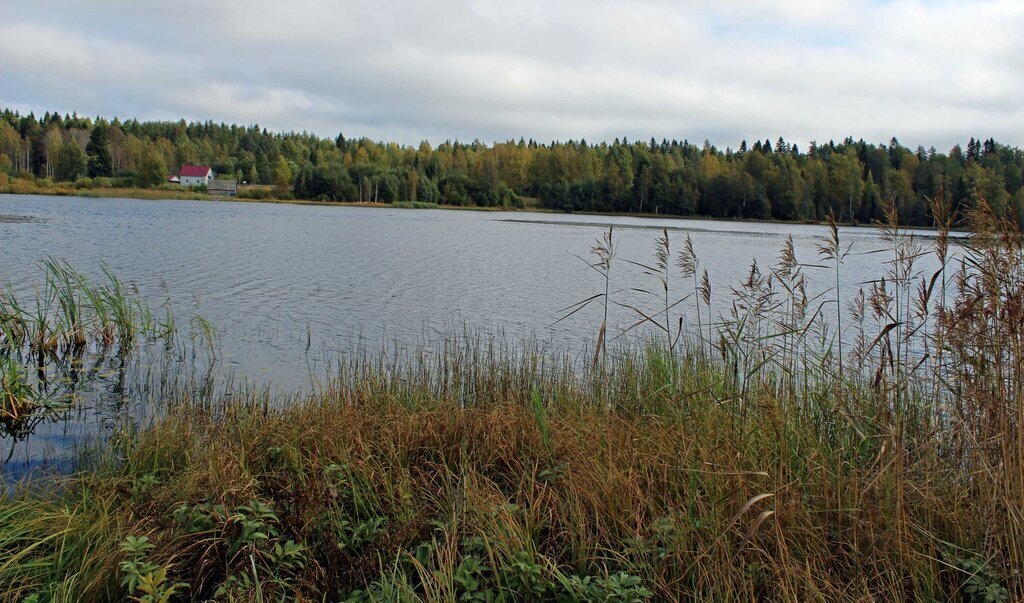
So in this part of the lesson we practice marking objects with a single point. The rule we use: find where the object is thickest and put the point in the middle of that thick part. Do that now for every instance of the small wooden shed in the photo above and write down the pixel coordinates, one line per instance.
(222, 188)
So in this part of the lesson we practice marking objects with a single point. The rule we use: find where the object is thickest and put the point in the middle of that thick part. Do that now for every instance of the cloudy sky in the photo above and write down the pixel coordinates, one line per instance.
(929, 72)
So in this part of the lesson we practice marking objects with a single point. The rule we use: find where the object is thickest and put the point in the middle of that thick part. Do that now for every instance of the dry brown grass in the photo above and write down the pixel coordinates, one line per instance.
(757, 466)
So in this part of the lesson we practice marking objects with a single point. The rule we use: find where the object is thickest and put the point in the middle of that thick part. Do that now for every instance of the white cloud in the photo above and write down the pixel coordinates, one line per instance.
(929, 72)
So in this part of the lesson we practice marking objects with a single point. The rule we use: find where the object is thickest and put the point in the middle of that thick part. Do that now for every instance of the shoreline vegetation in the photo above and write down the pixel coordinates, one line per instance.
(741, 457)
(852, 180)
(161, 194)
(167, 193)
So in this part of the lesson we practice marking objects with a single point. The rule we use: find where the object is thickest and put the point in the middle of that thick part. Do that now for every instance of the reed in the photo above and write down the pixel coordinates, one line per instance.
(751, 461)
(55, 341)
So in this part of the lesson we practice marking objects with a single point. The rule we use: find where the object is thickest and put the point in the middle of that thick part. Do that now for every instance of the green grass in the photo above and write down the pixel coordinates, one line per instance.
(251, 194)
(415, 205)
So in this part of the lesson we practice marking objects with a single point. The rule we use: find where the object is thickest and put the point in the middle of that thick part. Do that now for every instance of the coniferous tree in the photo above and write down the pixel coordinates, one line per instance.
(98, 149)
(974, 149)
(957, 154)
(853, 178)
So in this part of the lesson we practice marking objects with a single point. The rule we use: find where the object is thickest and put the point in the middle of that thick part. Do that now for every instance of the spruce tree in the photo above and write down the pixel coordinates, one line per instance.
(98, 150)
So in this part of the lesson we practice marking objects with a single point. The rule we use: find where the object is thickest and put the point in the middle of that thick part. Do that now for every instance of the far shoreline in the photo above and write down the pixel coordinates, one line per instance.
(142, 194)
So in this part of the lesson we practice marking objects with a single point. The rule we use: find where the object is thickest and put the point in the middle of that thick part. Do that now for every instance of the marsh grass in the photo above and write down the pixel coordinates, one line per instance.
(61, 338)
(744, 458)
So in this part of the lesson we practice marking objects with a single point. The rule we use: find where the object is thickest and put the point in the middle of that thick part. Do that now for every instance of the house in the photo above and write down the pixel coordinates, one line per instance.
(195, 175)
(173, 179)
(222, 188)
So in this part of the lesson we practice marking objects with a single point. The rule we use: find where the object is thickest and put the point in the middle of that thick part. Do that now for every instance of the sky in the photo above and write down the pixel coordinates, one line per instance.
(929, 72)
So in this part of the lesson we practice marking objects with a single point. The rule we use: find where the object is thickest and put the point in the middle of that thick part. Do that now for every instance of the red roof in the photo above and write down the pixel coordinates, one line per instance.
(196, 171)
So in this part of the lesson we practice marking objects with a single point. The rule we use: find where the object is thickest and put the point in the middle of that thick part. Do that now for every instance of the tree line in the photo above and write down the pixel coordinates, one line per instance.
(853, 179)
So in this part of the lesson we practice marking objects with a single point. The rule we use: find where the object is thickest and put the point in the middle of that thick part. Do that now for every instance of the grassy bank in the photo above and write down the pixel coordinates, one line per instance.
(746, 457)
(256, 194)
(24, 187)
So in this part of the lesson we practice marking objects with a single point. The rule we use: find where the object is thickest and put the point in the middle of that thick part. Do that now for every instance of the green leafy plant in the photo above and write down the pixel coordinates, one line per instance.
(146, 581)
(250, 542)
(981, 584)
(614, 588)
(144, 484)
(526, 577)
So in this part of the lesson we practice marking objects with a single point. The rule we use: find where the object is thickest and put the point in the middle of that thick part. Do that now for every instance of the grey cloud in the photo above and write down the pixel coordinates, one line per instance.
(928, 72)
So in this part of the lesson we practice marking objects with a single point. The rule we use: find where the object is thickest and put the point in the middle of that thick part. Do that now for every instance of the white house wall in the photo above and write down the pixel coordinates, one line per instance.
(194, 181)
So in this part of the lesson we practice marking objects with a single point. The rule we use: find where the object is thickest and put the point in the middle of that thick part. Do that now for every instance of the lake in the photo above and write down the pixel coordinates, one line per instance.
(288, 288)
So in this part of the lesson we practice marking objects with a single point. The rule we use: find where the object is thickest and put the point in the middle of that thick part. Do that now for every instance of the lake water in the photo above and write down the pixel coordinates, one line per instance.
(278, 281)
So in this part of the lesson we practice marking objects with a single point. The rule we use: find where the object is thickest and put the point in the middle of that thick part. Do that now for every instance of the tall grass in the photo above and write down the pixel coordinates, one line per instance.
(53, 344)
(751, 461)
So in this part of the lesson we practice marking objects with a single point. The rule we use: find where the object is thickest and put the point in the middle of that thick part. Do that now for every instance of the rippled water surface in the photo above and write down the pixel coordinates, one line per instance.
(275, 278)
(289, 286)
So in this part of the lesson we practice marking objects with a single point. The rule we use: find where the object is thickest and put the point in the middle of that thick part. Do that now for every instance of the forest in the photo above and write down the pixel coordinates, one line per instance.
(852, 179)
